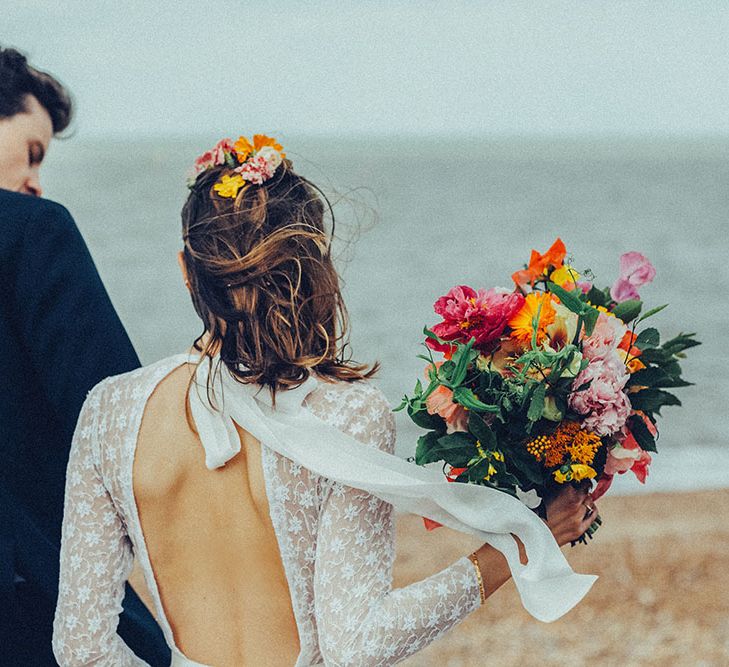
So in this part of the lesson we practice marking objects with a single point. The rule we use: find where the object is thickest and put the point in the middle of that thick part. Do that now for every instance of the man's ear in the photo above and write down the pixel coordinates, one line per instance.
(183, 268)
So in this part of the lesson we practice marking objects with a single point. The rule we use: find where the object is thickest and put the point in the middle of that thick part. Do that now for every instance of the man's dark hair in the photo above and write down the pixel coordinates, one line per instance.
(18, 80)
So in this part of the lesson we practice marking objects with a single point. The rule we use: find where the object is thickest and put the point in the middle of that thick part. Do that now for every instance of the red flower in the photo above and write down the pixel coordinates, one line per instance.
(467, 313)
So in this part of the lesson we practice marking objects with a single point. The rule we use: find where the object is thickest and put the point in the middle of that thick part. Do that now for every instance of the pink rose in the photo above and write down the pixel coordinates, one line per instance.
(440, 402)
(635, 271)
(467, 313)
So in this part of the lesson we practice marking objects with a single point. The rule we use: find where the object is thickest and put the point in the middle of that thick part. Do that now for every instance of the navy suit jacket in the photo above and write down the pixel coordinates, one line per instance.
(59, 336)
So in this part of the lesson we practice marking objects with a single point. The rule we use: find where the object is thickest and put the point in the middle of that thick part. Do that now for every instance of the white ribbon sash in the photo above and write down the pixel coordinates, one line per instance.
(547, 585)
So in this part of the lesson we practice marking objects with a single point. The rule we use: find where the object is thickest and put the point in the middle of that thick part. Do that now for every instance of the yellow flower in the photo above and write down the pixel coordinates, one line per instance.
(573, 473)
(565, 275)
(581, 471)
(229, 185)
(498, 455)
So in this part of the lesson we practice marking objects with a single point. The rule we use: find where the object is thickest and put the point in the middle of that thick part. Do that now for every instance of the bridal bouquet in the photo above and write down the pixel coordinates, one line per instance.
(551, 383)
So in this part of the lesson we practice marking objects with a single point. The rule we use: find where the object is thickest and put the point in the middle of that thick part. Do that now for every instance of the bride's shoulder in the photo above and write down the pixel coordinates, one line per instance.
(137, 384)
(359, 409)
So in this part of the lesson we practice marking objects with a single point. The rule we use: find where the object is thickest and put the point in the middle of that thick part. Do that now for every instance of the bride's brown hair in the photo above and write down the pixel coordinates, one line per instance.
(263, 282)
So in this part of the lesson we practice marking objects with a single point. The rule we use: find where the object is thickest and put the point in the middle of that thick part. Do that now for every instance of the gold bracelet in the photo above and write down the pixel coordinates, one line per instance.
(474, 559)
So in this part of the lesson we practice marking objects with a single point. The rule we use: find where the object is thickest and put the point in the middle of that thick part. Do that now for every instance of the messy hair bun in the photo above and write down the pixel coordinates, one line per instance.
(263, 282)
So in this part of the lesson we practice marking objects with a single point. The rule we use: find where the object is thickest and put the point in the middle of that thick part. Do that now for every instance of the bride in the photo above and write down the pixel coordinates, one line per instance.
(252, 478)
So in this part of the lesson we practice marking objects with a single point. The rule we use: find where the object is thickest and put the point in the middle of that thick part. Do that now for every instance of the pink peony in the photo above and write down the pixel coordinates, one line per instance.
(605, 338)
(635, 271)
(604, 402)
(467, 313)
(440, 402)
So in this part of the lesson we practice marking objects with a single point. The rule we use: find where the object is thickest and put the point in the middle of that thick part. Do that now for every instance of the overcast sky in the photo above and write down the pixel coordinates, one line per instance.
(384, 67)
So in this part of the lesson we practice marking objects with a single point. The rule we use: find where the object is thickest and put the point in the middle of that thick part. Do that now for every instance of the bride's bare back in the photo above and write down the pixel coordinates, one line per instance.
(211, 541)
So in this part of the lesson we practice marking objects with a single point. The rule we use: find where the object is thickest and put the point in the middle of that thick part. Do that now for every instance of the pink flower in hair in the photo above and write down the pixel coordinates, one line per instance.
(256, 169)
(635, 271)
(221, 148)
(205, 161)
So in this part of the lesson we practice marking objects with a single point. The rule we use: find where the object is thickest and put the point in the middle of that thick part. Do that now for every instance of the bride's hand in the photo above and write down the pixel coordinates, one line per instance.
(570, 513)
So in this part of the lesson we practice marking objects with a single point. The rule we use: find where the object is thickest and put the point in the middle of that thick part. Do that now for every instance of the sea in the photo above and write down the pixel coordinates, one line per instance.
(417, 215)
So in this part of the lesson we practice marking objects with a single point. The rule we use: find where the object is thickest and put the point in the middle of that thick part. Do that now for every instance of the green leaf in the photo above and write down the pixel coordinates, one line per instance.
(598, 297)
(570, 300)
(526, 464)
(461, 358)
(457, 449)
(628, 310)
(536, 406)
(655, 376)
(426, 450)
(648, 338)
(657, 356)
(652, 312)
(589, 317)
(641, 433)
(680, 343)
(465, 397)
(652, 400)
(425, 420)
(481, 431)
(429, 334)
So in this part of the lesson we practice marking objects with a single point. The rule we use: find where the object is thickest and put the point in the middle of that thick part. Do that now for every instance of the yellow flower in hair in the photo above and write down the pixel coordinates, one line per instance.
(229, 185)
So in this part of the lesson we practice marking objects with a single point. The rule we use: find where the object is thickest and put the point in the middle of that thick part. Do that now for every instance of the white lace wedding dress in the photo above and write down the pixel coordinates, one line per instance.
(335, 535)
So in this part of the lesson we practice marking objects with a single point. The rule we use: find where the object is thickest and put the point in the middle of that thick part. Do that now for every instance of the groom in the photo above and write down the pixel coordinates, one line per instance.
(59, 336)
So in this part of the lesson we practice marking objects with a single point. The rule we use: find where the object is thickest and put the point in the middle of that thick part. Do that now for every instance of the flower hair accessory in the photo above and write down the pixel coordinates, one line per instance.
(251, 162)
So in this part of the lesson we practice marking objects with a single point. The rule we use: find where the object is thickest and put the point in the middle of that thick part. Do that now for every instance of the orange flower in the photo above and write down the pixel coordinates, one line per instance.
(539, 265)
(244, 148)
(522, 324)
(261, 140)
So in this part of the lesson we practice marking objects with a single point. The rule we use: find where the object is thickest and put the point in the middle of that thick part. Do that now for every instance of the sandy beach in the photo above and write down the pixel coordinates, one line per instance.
(662, 598)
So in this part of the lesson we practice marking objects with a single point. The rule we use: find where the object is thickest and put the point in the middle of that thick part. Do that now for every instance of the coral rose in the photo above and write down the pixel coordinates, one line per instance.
(440, 402)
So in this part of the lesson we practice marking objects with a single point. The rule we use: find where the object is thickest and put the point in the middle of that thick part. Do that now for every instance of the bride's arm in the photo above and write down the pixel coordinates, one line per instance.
(361, 620)
(96, 559)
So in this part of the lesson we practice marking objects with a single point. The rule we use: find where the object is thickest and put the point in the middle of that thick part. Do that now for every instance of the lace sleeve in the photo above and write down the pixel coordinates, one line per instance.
(96, 559)
(361, 620)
